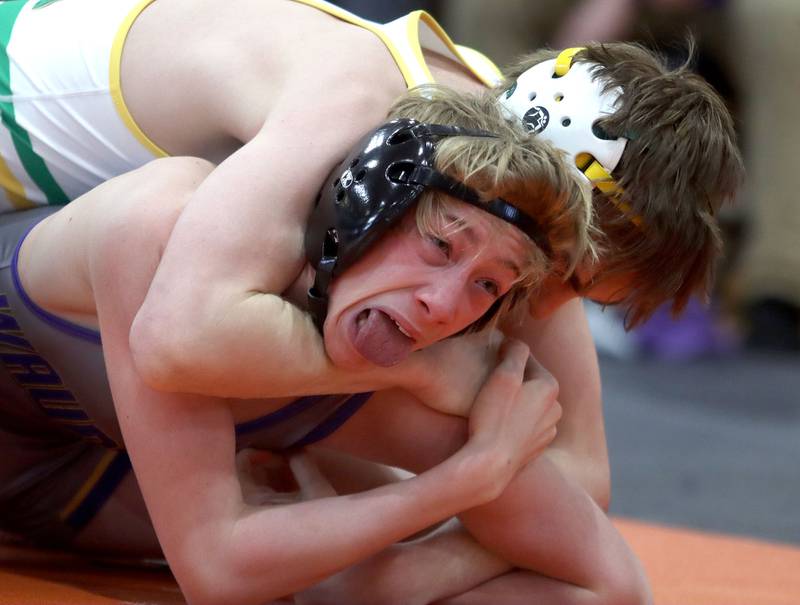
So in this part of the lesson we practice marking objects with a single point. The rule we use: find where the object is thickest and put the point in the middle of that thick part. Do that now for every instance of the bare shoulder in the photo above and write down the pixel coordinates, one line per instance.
(107, 231)
(566, 325)
(227, 68)
(563, 343)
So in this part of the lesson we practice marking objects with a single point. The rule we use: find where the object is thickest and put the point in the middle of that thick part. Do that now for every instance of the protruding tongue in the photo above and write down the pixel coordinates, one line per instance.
(379, 341)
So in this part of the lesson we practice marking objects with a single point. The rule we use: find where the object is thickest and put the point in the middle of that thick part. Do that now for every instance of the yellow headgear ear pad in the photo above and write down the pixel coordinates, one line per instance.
(564, 60)
(600, 178)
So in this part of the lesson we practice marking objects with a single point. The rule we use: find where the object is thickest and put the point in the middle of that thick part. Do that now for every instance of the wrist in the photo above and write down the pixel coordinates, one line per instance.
(483, 472)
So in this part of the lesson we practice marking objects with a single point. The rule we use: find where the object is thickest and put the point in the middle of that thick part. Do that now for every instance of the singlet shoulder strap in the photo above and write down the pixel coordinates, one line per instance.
(409, 34)
(406, 36)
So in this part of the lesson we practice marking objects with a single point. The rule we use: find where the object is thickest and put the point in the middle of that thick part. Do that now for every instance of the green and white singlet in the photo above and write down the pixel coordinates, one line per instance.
(65, 126)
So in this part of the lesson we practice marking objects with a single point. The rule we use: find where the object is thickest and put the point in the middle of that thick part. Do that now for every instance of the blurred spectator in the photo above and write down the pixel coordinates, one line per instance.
(653, 21)
(700, 332)
(766, 58)
(503, 30)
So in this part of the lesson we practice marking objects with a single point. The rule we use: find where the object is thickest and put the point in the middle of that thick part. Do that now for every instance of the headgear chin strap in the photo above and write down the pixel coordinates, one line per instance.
(371, 190)
(562, 102)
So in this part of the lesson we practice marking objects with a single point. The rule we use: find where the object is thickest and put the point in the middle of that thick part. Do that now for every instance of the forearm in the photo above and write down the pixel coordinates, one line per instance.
(446, 562)
(563, 344)
(214, 320)
(590, 472)
(548, 524)
(311, 540)
(260, 345)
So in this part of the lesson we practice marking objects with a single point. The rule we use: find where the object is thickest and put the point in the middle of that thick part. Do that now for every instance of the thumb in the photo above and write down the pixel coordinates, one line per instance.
(512, 356)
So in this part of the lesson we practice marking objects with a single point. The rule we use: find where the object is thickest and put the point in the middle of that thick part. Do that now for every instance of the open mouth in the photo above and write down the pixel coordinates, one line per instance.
(380, 339)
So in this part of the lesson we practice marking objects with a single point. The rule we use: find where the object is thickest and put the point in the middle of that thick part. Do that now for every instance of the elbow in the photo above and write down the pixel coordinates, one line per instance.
(590, 471)
(626, 585)
(203, 580)
(162, 358)
(620, 578)
(599, 486)
(214, 579)
(211, 589)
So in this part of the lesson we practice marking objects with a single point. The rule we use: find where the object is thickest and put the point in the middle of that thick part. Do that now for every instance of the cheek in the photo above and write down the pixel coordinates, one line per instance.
(338, 295)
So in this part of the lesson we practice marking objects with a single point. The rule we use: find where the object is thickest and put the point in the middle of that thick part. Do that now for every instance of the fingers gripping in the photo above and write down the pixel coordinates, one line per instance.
(313, 484)
(513, 357)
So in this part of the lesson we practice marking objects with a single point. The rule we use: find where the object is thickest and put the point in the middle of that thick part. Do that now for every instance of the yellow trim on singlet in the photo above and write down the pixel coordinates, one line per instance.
(478, 64)
(15, 191)
(412, 31)
(466, 58)
(473, 58)
(413, 34)
(115, 82)
(89, 484)
(348, 17)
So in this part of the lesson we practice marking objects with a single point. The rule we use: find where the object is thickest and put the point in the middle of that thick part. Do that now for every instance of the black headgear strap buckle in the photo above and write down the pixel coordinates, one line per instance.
(318, 292)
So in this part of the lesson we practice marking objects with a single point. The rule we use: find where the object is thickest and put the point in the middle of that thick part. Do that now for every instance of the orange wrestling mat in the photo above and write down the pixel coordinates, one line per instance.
(685, 568)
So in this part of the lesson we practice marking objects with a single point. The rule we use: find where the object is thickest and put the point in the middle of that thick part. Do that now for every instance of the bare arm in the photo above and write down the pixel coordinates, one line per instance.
(444, 563)
(214, 320)
(215, 302)
(543, 522)
(563, 344)
(214, 307)
(217, 545)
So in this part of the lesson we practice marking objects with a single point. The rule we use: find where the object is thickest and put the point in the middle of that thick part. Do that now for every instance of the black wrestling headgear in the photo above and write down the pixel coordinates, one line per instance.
(373, 187)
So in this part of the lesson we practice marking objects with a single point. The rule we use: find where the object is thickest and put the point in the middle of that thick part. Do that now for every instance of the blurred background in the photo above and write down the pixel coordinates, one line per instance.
(703, 412)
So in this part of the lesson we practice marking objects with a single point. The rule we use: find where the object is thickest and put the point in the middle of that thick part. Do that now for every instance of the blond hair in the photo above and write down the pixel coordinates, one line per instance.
(527, 172)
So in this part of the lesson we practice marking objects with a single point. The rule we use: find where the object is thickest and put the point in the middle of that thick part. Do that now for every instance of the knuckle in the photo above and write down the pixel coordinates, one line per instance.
(524, 349)
(504, 378)
(546, 391)
(515, 347)
(551, 386)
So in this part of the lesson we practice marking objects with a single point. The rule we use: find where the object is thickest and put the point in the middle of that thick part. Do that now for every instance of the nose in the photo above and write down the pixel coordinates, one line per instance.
(442, 298)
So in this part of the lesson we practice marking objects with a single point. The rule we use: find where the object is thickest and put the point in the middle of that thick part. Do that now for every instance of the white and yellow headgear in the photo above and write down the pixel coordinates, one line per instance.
(562, 102)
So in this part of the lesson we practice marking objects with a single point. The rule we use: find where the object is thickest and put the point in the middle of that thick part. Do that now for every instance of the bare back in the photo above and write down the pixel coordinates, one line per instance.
(225, 70)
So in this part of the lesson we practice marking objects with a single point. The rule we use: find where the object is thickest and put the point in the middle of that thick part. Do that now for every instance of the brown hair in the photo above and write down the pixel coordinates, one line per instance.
(680, 165)
(525, 171)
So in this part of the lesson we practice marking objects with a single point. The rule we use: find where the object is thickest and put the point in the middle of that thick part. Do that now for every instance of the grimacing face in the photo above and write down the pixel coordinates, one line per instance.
(411, 289)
